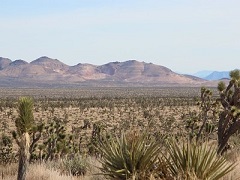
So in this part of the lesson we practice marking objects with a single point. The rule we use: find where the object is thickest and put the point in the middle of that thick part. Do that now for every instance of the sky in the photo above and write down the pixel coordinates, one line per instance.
(184, 35)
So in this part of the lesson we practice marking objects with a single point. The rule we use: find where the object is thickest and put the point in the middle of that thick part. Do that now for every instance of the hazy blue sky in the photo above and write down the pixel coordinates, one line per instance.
(183, 35)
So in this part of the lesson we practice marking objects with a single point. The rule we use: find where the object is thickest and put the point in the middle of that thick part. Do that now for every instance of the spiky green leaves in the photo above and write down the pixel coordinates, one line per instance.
(235, 74)
(137, 157)
(128, 156)
(198, 161)
(25, 120)
(221, 86)
(235, 111)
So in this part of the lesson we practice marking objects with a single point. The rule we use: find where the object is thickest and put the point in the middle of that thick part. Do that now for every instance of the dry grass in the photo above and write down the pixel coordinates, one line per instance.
(35, 171)
(125, 109)
(47, 171)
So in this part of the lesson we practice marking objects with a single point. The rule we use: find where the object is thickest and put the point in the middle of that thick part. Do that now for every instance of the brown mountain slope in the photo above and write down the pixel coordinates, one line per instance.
(50, 65)
(45, 69)
(14, 69)
(86, 72)
(4, 62)
(134, 71)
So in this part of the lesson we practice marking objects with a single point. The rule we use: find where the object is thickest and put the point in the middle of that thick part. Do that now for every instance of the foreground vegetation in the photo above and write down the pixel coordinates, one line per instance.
(144, 134)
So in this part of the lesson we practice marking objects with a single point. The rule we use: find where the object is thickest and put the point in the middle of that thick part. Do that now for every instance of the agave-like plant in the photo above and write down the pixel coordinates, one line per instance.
(194, 161)
(130, 156)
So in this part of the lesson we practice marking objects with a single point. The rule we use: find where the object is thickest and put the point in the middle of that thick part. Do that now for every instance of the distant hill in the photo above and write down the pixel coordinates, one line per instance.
(45, 70)
(217, 75)
(212, 75)
(202, 74)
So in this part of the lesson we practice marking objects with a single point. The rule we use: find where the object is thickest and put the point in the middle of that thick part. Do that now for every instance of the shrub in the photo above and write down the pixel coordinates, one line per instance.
(76, 166)
(192, 161)
(132, 156)
(6, 150)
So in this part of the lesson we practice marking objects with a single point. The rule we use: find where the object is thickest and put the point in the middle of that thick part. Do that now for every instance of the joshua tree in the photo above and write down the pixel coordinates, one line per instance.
(24, 124)
(208, 114)
(229, 118)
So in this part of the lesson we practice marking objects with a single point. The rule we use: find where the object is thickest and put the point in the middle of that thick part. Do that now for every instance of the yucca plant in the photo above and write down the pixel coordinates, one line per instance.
(24, 124)
(130, 156)
(194, 161)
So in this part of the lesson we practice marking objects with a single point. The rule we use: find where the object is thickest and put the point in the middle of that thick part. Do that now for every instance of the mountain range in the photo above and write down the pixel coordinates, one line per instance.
(203, 74)
(47, 71)
(212, 75)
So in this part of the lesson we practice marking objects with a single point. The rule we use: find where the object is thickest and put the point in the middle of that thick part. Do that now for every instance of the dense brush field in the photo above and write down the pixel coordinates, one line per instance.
(117, 133)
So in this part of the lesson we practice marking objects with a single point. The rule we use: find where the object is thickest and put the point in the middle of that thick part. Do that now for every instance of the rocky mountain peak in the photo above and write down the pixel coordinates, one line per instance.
(18, 62)
(46, 60)
(4, 62)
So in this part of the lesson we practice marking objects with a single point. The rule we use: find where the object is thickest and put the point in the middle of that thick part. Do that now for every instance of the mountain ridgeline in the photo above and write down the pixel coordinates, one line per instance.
(213, 75)
(49, 71)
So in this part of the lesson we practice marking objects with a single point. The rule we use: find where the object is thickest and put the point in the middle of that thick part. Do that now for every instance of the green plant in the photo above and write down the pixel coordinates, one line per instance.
(36, 133)
(54, 139)
(24, 124)
(97, 133)
(191, 160)
(76, 166)
(229, 118)
(202, 123)
(191, 121)
(129, 156)
(6, 150)
(208, 113)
